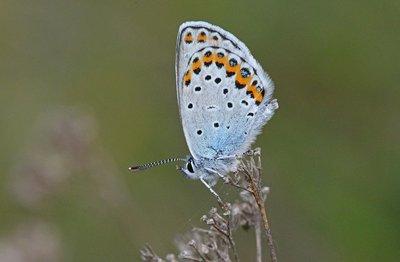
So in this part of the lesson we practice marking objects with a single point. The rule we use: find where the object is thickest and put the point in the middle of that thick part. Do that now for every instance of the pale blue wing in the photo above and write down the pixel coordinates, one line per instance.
(224, 95)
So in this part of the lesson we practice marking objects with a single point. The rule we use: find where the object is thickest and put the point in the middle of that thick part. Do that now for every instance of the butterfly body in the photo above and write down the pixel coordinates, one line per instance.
(224, 99)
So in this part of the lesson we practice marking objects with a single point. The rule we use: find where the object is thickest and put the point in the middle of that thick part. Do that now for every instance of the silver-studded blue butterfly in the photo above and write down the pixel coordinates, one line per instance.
(224, 98)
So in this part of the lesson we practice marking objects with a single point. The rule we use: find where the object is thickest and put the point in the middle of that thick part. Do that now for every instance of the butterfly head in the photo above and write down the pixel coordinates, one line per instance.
(202, 169)
(190, 169)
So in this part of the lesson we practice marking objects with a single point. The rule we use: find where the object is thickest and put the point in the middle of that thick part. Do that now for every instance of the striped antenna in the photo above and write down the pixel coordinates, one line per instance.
(154, 164)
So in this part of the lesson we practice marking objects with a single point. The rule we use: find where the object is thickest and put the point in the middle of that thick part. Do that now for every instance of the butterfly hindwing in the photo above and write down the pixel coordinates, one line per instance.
(224, 96)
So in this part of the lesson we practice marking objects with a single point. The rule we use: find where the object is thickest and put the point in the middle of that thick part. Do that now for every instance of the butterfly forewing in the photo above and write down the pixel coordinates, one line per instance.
(223, 93)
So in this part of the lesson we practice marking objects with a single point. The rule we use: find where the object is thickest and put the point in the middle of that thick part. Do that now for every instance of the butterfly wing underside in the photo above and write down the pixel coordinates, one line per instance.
(224, 96)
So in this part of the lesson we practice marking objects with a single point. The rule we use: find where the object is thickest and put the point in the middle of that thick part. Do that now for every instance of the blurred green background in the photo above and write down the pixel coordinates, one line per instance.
(87, 88)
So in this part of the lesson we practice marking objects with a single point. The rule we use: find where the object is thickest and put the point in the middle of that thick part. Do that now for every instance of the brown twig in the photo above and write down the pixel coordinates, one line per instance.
(254, 185)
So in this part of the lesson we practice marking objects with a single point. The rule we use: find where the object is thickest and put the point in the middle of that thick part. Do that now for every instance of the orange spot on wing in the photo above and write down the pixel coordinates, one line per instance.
(242, 80)
(221, 60)
(201, 37)
(208, 59)
(188, 38)
(257, 95)
(187, 78)
(196, 66)
(251, 89)
(231, 70)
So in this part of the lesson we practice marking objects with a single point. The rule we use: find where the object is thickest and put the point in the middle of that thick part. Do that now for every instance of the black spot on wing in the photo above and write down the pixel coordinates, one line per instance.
(239, 85)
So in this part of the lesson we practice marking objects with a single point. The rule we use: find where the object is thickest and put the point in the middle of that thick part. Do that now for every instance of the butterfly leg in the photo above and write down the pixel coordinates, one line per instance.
(226, 157)
(214, 172)
(220, 202)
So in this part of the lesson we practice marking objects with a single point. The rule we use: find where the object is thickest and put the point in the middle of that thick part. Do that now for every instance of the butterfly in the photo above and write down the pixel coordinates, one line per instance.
(224, 98)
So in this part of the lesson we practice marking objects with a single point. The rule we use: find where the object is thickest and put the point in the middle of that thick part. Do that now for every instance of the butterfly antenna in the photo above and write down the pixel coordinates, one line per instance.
(154, 164)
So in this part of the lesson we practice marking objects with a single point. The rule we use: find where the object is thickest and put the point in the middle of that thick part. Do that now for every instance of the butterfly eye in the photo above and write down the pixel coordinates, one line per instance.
(189, 167)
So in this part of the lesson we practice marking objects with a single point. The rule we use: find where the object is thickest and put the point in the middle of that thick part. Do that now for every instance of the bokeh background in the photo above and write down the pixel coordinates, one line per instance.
(87, 88)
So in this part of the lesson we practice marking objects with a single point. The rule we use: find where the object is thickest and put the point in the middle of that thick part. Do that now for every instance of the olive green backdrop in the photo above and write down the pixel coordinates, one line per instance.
(87, 88)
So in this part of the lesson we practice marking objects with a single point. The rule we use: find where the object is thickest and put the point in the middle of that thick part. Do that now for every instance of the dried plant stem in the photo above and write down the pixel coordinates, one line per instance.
(257, 229)
(193, 245)
(228, 233)
(193, 259)
(231, 241)
(256, 193)
(216, 243)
